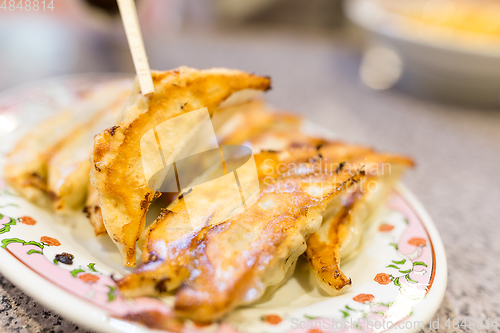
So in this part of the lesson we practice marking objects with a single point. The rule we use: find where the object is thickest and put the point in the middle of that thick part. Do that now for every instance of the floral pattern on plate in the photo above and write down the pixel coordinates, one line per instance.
(411, 273)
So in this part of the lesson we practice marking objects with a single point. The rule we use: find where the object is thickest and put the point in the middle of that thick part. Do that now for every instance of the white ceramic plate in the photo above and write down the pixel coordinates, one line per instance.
(399, 274)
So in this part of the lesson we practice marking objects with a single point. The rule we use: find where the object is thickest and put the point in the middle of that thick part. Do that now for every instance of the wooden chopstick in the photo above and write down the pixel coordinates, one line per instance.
(130, 21)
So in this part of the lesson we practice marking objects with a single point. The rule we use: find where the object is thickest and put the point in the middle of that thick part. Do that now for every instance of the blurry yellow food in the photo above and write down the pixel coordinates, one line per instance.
(478, 17)
(50, 158)
(68, 168)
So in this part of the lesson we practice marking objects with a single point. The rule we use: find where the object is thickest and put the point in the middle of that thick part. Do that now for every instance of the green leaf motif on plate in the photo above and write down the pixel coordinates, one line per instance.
(409, 279)
(8, 241)
(10, 204)
(76, 271)
(384, 304)
(310, 317)
(419, 263)
(399, 262)
(111, 293)
(7, 192)
(6, 227)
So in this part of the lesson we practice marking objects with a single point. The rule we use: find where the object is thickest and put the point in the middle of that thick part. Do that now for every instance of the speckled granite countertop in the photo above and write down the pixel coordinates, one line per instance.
(457, 150)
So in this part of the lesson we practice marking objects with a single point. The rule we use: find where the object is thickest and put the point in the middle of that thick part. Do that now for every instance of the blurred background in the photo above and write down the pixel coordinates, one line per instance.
(419, 77)
(440, 49)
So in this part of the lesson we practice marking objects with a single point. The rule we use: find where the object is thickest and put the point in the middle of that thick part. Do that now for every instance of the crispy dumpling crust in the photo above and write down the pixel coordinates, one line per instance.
(342, 227)
(117, 171)
(271, 233)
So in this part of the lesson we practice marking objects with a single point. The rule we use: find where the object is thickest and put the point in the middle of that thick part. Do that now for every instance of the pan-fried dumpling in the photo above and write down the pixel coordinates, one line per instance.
(117, 172)
(234, 260)
(26, 166)
(93, 211)
(69, 167)
(342, 229)
(177, 225)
